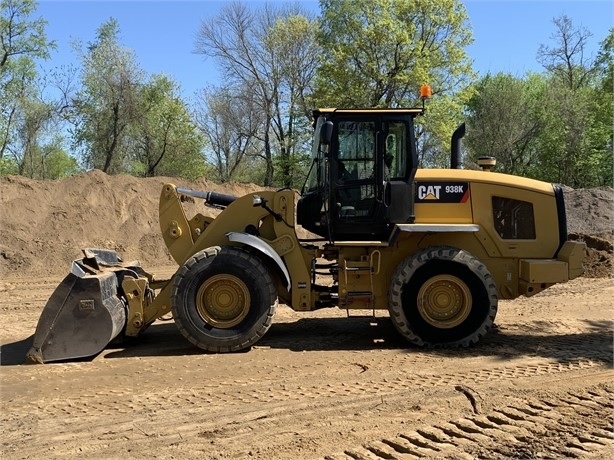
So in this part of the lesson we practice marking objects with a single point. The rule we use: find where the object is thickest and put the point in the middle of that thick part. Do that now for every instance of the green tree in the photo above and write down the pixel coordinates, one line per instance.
(605, 62)
(127, 122)
(166, 141)
(230, 120)
(272, 51)
(291, 40)
(555, 126)
(22, 41)
(20, 36)
(58, 164)
(576, 145)
(377, 53)
(604, 132)
(33, 118)
(8, 166)
(106, 105)
(505, 119)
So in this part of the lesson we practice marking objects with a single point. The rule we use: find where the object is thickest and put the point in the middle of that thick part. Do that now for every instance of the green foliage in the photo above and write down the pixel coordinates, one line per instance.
(106, 105)
(47, 160)
(272, 52)
(279, 63)
(377, 53)
(8, 166)
(251, 170)
(575, 147)
(434, 130)
(556, 126)
(291, 171)
(21, 36)
(166, 142)
(32, 120)
(58, 163)
(505, 117)
(576, 144)
(538, 128)
(126, 124)
(292, 41)
(605, 63)
(604, 102)
(22, 40)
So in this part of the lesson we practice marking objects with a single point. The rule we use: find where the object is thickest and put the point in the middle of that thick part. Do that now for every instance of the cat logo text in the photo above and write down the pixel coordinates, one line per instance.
(440, 192)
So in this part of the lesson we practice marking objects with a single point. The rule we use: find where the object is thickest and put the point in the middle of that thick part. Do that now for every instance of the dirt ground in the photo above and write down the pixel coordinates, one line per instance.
(318, 385)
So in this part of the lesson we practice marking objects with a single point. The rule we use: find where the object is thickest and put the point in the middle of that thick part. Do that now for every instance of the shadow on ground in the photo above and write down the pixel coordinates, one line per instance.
(367, 333)
(14, 353)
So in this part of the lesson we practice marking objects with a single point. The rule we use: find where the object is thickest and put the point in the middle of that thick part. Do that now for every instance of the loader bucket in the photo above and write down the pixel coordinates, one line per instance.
(81, 317)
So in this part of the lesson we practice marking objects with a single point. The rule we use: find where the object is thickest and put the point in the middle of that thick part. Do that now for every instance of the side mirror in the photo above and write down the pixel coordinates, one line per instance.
(326, 133)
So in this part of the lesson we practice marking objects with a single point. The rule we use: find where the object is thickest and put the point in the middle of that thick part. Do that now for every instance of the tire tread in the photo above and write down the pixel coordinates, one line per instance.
(204, 341)
(406, 270)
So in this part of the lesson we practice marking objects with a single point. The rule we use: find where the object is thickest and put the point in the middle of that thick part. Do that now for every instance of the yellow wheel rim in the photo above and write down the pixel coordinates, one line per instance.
(444, 301)
(223, 301)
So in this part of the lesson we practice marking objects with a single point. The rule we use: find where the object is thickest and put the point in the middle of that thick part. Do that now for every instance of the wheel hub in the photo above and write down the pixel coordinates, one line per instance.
(444, 301)
(223, 301)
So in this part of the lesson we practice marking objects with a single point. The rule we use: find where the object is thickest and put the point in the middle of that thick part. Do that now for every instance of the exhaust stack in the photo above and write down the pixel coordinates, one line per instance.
(455, 146)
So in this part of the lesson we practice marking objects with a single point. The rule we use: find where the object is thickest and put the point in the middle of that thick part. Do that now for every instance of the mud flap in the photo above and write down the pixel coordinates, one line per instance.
(81, 317)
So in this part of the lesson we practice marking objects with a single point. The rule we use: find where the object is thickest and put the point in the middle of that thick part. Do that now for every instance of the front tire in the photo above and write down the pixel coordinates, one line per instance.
(442, 296)
(223, 299)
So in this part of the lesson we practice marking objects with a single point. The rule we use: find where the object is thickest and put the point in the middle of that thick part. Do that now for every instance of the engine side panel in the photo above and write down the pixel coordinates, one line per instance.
(518, 220)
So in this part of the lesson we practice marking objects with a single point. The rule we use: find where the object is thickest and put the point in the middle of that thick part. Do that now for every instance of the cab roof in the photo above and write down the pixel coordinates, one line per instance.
(405, 111)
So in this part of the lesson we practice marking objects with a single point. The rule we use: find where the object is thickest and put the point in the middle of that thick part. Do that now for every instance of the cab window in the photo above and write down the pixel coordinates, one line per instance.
(355, 189)
(513, 219)
(395, 150)
(356, 152)
(317, 168)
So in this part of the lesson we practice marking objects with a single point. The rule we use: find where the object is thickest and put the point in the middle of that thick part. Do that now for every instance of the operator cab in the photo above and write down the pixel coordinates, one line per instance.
(362, 172)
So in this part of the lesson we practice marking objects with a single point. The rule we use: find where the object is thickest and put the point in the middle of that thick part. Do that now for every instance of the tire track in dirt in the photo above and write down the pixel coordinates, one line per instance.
(396, 372)
(184, 416)
(230, 413)
(239, 392)
(573, 425)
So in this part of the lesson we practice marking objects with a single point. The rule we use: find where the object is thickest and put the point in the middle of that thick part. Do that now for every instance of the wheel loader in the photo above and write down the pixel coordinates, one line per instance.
(435, 248)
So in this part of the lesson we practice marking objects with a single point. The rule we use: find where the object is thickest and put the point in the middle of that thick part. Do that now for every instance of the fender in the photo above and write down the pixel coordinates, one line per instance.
(263, 247)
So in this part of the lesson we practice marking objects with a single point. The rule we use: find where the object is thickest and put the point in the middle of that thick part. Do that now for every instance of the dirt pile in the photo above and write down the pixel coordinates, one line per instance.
(590, 218)
(44, 224)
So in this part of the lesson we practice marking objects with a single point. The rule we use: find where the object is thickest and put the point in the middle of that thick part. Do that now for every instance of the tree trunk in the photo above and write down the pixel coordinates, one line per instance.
(268, 157)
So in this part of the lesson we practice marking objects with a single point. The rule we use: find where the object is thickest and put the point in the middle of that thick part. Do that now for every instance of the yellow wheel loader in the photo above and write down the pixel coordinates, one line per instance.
(436, 248)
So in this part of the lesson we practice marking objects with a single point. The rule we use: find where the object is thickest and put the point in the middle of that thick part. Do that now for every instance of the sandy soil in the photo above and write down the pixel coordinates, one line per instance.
(318, 385)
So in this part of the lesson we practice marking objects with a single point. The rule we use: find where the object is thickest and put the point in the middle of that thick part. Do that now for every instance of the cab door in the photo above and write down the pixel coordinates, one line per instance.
(368, 155)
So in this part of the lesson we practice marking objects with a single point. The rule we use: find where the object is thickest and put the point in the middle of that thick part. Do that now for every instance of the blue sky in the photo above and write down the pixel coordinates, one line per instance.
(507, 33)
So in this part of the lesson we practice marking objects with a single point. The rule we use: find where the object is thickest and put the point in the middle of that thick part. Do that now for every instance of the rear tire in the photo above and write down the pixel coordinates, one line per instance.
(442, 296)
(223, 299)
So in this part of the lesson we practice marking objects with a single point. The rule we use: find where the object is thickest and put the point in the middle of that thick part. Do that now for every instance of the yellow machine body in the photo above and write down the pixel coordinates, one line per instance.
(519, 266)
(441, 251)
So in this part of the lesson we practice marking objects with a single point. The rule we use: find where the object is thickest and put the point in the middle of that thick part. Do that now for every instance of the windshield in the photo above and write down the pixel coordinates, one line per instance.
(316, 171)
